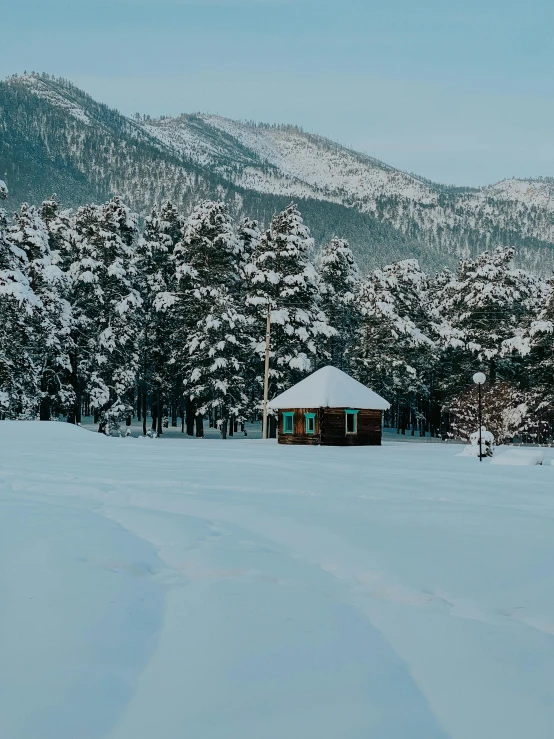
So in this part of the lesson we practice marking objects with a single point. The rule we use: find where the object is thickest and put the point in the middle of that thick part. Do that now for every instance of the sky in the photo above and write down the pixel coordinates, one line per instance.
(459, 92)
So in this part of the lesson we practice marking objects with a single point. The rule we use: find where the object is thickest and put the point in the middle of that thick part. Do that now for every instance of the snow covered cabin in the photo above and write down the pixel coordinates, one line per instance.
(331, 408)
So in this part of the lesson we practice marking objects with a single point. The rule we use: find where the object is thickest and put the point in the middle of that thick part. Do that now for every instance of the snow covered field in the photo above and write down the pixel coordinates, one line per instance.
(151, 589)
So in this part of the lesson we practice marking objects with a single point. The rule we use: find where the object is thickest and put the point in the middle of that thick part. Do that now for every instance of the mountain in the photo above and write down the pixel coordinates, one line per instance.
(56, 138)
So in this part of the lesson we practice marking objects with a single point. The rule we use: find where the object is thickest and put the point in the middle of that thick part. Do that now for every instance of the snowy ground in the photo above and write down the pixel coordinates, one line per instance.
(151, 589)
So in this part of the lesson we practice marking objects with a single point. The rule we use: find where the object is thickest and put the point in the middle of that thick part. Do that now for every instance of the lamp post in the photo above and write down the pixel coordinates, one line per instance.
(479, 378)
(266, 368)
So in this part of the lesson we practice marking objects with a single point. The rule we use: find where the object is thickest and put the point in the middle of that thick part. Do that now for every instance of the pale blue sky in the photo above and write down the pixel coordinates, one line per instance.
(461, 92)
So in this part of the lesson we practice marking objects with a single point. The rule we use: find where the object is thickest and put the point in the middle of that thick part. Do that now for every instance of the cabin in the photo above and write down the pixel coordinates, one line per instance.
(329, 408)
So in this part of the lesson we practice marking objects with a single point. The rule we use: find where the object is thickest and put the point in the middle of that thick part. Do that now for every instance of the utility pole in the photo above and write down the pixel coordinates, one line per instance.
(266, 369)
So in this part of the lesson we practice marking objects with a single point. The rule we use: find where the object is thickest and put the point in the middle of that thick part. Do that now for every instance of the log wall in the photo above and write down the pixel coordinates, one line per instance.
(330, 428)
(299, 436)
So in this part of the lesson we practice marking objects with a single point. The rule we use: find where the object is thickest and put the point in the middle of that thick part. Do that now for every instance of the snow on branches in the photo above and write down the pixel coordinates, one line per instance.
(99, 318)
(105, 308)
(393, 351)
(282, 277)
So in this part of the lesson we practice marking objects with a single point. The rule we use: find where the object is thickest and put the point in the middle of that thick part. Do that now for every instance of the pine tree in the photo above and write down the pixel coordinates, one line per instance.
(52, 321)
(339, 284)
(533, 345)
(484, 304)
(504, 412)
(249, 235)
(56, 380)
(19, 373)
(209, 252)
(105, 304)
(157, 284)
(207, 267)
(477, 311)
(541, 354)
(218, 349)
(61, 239)
(393, 354)
(282, 277)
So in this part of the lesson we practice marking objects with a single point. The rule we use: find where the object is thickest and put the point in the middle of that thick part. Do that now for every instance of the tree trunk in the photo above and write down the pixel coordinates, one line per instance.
(144, 413)
(78, 402)
(190, 412)
(154, 413)
(160, 414)
(231, 426)
(103, 421)
(199, 427)
(224, 428)
(44, 410)
(72, 411)
(174, 412)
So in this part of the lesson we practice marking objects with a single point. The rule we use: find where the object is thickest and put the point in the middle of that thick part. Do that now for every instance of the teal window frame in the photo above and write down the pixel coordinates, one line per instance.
(286, 416)
(312, 417)
(354, 413)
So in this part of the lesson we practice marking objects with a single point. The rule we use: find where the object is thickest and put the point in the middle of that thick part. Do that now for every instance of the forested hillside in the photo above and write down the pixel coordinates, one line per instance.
(55, 138)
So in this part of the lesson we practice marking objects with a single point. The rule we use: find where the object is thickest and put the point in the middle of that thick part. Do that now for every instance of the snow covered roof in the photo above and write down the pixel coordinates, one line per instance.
(329, 387)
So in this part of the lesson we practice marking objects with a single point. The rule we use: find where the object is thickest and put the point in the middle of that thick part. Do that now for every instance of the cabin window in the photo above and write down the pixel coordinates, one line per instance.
(288, 422)
(351, 421)
(310, 423)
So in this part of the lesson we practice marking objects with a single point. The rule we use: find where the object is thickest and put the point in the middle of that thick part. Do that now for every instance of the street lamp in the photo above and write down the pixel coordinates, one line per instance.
(479, 378)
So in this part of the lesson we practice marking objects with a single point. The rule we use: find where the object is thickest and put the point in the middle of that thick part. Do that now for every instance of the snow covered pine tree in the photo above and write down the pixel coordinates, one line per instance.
(219, 350)
(282, 276)
(19, 373)
(534, 343)
(249, 235)
(484, 303)
(393, 354)
(339, 285)
(52, 322)
(212, 339)
(105, 304)
(159, 378)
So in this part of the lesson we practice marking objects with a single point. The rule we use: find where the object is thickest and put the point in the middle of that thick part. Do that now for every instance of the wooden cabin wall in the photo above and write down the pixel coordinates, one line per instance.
(299, 436)
(330, 427)
(333, 428)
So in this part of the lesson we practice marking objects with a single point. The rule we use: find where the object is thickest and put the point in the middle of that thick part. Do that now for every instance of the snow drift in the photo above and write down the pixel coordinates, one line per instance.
(520, 457)
(210, 589)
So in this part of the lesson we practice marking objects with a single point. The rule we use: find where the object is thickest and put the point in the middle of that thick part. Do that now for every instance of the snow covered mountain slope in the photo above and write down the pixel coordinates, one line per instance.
(286, 161)
(539, 192)
(54, 137)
